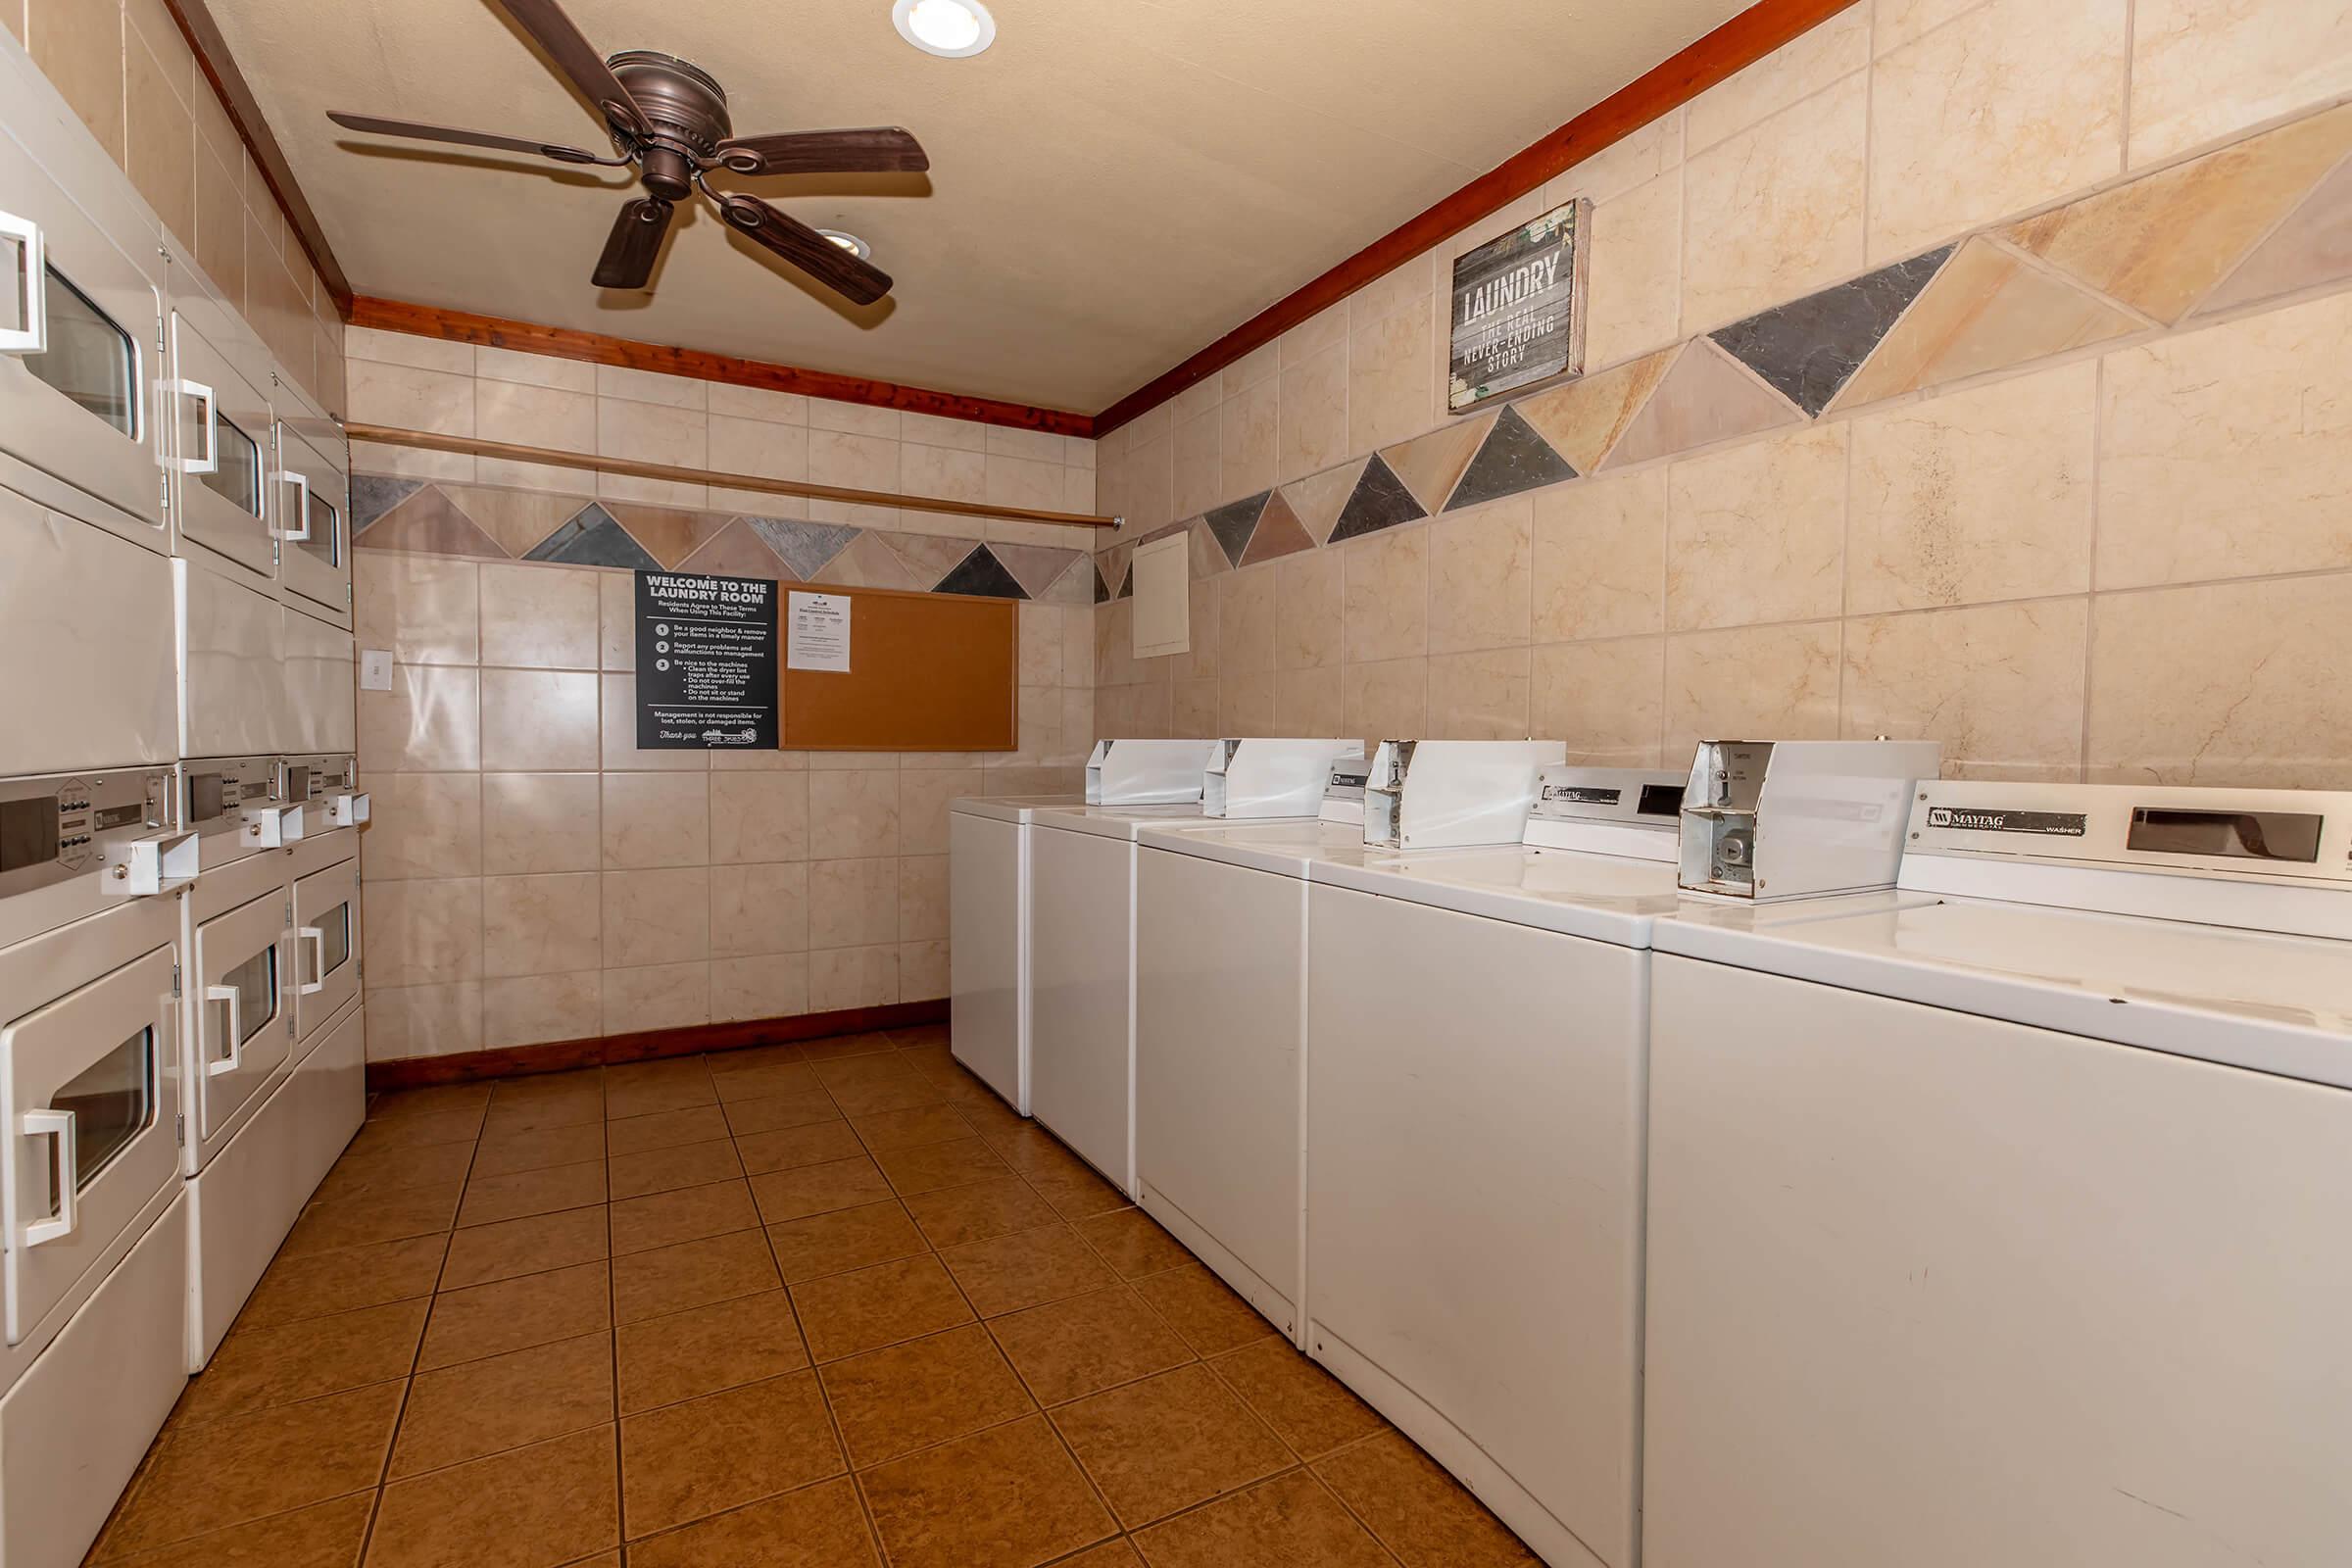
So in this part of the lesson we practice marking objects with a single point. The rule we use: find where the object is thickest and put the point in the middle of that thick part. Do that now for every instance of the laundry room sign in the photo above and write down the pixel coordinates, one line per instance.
(706, 662)
(1519, 308)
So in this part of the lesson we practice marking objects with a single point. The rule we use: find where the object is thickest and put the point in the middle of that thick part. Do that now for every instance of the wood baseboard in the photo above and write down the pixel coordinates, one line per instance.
(562, 1056)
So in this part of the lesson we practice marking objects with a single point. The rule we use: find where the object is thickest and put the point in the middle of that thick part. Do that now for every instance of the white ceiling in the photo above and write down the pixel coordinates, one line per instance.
(1114, 184)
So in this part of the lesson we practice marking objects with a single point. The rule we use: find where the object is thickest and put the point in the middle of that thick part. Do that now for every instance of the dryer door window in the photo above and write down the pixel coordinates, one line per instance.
(238, 1009)
(311, 494)
(91, 359)
(237, 473)
(112, 1100)
(326, 937)
(222, 427)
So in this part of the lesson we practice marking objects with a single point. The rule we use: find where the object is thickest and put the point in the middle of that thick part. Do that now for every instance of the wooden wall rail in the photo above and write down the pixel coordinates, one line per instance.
(473, 446)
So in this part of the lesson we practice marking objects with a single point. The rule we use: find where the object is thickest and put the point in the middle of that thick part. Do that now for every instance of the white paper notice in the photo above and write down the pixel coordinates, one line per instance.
(818, 636)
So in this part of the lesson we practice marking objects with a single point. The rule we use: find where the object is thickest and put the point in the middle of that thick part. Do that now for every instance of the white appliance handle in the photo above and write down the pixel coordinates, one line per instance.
(210, 463)
(236, 1030)
(311, 988)
(301, 482)
(57, 1124)
(33, 336)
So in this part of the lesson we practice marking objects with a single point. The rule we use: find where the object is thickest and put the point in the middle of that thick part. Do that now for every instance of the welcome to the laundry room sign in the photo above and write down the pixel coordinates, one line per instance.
(1519, 308)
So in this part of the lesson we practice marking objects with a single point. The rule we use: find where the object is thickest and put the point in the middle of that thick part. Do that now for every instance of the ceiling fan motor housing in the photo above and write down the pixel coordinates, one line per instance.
(688, 111)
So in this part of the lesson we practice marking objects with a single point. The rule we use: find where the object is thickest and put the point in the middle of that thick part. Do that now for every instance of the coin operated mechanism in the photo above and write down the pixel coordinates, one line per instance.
(1425, 795)
(1343, 791)
(118, 824)
(1629, 812)
(1265, 778)
(1764, 821)
(1147, 772)
(325, 788)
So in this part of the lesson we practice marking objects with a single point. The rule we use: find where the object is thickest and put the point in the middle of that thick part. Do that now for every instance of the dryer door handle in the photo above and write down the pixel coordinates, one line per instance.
(57, 1124)
(210, 423)
(33, 336)
(234, 1058)
(313, 935)
(302, 483)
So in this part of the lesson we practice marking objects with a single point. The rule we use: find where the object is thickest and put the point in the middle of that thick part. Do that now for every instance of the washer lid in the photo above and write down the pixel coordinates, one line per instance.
(1602, 897)
(1012, 807)
(1284, 848)
(2247, 998)
(1125, 821)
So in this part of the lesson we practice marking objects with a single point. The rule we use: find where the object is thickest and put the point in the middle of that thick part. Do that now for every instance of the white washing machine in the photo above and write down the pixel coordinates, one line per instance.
(2015, 1225)
(1082, 929)
(988, 939)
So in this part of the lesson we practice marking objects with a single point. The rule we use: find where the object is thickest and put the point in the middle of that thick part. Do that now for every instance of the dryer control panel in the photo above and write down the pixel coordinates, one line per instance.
(59, 826)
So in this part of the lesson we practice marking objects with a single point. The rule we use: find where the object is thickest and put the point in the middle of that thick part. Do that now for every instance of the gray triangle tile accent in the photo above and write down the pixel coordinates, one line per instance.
(1379, 500)
(592, 538)
(1809, 348)
(1511, 458)
(1233, 524)
(374, 494)
(1102, 594)
(803, 547)
(982, 574)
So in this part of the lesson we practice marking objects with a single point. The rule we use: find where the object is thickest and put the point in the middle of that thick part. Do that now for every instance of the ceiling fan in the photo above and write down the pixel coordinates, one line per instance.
(669, 120)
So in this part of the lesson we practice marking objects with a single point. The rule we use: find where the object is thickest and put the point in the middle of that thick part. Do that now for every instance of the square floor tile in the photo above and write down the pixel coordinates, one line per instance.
(432, 1099)
(1077, 1195)
(789, 1148)
(574, 1105)
(912, 1127)
(1169, 1442)
(478, 1408)
(764, 1082)
(1306, 1406)
(725, 1063)
(390, 1170)
(813, 1189)
(685, 1215)
(662, 1170)
(864, 1096)
(798, 1110)
(843, 1239)
(1026, 1268)
(552, 1502)
(672, 1279)
(376, 1217)
(515, 1246)
(954, 1216)
(990, 1118)
(512, 1314)
(518, 1194)
(1086, 1343)
(707, 1349)
(316, 1284)
(1132, 1243)
(835, 1047)
(647, 1097)
(892, 1402)
(1196, 1303)
(257, 1367)
(325, 1535)
(870, 1307)
(821, 1525)
(666, 1129)
(928, 1167)
(1419, 1512)
(539, 1149)
(414, 1132)
(683, 1461)
(1288, 1522)
(1007, 1497)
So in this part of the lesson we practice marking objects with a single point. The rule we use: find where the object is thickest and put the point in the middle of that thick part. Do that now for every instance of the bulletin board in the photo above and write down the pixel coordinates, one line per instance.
(928, 672)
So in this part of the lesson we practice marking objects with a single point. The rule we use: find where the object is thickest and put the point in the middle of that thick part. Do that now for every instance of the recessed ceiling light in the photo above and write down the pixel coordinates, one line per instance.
(849, 242)
(952, 29)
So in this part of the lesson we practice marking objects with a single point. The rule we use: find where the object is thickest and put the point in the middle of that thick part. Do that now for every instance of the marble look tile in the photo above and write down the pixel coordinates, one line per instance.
(1602, 698)
(1392, 371)
(852, 903)
(666, 996)
(1035, 568)
(1311, 422)
(2313, 246)
(736, 551)
(657, 916)
(2236, 683)
(1200, 470)
(853, 977)
(423, 611)
(1809, 349)
(1429, 464)
(594, 538)
(1253, 369)
(1636, 272)
(531, 1009)
(424, 824)
(546, 924)
(537, 823)
(1386, 606)
(1983, 494)
(428, 522)
(2011, 105)
(534, 416)
(659, 819)
(762, 817)
(1249, 430)
(670, 534)
(1756, 532)
(1389, 699)
(1582, 419)
(1480, 577)
(1479, 696)
(539, 617)
(517, 519)
(1780, 681)
(1999, 685)
(431, 1020)
(2202, 69)
(1278, 533)
(423, 932)
(1510, 460)
(1309, 610)
(406, 398)
(1379, 500)
(1635, 158)
(1598, 558)
(2223, 452)
(1777, 210)
(1705, 397)
(1318, 500)
(852, 813)
(774, 986)
(867, 562)
(1798, 68)
(1987, 310)
(538, 719)
(982, 575)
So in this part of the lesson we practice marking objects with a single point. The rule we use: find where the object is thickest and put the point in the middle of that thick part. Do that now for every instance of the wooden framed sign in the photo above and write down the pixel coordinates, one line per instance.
(1519, 308)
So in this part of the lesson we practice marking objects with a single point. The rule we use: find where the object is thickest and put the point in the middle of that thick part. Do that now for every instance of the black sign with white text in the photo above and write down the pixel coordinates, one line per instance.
(706, 662)
(1519, 308)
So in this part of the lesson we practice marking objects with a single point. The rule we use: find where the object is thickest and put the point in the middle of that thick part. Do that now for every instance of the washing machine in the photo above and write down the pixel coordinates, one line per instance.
(2015, 1225)
(988, 938)
(1082, 925)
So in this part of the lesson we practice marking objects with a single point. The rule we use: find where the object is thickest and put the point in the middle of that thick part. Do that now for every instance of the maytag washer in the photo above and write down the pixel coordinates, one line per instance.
(2015, 1225)
(988, 938)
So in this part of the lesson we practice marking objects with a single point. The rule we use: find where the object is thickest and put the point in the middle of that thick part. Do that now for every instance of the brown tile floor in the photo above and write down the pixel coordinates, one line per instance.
(826, 1305)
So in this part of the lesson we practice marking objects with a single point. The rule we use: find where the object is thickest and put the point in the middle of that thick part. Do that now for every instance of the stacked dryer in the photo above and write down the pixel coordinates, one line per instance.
(164, 655)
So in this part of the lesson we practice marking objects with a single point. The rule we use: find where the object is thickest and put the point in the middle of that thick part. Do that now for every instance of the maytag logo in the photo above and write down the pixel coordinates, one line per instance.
(1947, 817)
(2061, 824)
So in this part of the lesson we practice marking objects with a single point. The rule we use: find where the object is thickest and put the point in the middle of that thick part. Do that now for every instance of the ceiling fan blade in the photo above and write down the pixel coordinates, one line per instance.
(844, 272)
(416, 131)
(635, 240)
(577, 59)
(869, 149)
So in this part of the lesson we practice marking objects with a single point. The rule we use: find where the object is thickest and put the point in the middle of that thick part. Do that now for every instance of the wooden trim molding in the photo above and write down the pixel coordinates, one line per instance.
(474, 446)
(1739, 43)
(203, 33)
(600, 1051)
(597, 347)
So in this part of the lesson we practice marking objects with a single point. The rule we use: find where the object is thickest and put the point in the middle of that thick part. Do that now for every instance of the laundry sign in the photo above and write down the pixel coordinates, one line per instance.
(1519, 308)
(706, 662)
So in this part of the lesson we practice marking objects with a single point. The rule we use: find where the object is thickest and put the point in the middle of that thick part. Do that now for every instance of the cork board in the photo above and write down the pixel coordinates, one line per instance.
(928, 672)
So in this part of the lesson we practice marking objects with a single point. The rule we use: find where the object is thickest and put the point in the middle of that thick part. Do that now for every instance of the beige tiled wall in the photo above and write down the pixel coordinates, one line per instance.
(531, 875)
(128, 74)
(2120, 563)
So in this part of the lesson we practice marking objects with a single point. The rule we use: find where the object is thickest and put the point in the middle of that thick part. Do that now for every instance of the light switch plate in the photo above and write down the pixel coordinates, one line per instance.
(375, 669)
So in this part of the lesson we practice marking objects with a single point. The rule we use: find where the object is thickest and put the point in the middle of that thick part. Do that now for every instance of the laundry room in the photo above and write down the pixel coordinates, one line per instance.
(1002, 783)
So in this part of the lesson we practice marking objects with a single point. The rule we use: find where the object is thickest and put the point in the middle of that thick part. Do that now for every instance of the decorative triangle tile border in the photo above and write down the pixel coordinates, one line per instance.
(1429, 464)
(1511, 458)
(982, 575)
(2314, 246)
(592, 538)
(374, 494)
(1808, 348)
(428, 522)
(1279, 533)
(1705, 397)
(1317, 500)
(1233, 524)
(1036, 567)
(518, 520)
(803, 547)
(736, 551)
(1584, 419)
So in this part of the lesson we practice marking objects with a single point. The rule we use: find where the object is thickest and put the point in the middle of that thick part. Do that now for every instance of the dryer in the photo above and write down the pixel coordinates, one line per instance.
(230, 511)
(988, 939)
(311, 473)
(2014, 1224)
